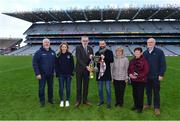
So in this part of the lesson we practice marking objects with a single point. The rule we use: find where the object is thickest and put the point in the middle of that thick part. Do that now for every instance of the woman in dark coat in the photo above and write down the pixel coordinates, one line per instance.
(64, 72)
(138, 70)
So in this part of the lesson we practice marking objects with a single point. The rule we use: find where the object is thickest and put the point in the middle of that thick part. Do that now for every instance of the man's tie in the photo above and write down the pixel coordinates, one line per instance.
(85, 49)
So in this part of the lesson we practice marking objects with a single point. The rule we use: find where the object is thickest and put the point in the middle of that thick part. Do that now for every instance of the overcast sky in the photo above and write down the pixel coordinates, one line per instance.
(12, 27)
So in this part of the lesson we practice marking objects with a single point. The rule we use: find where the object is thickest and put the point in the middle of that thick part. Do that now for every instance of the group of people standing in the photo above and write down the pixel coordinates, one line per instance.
(145, 70)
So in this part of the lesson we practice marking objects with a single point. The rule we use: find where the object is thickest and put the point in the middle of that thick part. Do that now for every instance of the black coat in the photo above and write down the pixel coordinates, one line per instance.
(109, 58)
(64, 64)
(82, 59)
(157, 63)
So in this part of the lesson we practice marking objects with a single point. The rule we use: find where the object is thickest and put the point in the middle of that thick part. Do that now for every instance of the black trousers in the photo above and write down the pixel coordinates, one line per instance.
(82, 83)
(119, 87)
(138, 94)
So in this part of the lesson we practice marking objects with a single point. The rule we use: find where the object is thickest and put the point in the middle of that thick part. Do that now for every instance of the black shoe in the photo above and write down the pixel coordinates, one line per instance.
(120, 105)
(108, 106)
(116, 105)
(77, 104)
(42, 104)
(87, 103)
(100, 103)
(133, 108)
(51, 102)
(139, 110)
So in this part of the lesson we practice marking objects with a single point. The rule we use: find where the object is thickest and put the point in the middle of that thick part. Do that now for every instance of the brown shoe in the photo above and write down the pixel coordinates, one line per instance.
(157, 111)
(77, 104)
(146, 107)
(87, 103)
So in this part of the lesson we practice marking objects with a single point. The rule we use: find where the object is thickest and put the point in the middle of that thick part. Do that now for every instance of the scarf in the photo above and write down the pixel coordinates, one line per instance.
(102, 63)
(102, 50)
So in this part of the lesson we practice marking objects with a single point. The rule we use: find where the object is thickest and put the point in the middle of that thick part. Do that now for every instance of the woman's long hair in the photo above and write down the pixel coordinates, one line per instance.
(60, 46)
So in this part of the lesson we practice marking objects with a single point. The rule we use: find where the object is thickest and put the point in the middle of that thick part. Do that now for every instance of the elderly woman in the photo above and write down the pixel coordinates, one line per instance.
(119, 70)
(138, 70)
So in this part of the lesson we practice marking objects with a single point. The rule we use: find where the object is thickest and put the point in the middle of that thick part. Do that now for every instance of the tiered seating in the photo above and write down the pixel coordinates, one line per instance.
(4, 44)
(166, 52)
(173, 48)
(16, 52)
(69, 28)
(169, 50)
(30, 50)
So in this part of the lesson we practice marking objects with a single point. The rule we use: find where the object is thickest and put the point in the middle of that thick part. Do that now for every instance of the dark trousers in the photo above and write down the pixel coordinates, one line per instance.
(138, 94)
(153, 90)
(119, 87)
(82, 82)
(64, 79)
(42, 84)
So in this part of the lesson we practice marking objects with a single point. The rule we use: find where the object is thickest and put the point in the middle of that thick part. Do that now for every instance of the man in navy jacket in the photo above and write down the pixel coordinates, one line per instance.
(44, 66)
(157, 64)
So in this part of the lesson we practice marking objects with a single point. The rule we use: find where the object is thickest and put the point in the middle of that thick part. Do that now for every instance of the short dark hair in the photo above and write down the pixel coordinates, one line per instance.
(138, 49)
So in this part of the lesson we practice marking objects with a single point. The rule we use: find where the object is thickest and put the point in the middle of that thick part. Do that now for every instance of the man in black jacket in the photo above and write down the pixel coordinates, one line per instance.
(103, 75)
(83, 56)
(44, 66)
(157, 64)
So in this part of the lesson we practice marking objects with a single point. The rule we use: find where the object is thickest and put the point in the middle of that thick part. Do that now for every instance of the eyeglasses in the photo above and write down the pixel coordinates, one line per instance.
(85, 40)
(150, 42)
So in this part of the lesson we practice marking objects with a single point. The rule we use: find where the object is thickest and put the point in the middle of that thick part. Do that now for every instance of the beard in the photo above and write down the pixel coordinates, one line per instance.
(102, 47)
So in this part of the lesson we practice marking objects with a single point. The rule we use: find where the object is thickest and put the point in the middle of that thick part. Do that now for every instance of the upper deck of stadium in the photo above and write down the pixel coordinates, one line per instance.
(101, 15)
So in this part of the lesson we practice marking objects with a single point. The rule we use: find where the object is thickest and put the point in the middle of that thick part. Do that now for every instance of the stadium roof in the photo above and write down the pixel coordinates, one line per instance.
(115, 14)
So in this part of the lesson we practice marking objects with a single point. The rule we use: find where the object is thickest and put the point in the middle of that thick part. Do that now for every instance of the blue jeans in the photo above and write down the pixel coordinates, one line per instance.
(108, 90)
(64, 79)
(42, 84)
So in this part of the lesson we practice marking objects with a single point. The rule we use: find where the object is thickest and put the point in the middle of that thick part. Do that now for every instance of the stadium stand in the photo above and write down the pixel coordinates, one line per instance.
(9, 44)
(126, 27)
(167, 52)
(174, 49)
(119, 27)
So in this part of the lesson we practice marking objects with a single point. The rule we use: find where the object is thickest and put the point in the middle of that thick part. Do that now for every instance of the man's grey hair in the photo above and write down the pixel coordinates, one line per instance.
(46, 40)
(86, 37)
(151, 39)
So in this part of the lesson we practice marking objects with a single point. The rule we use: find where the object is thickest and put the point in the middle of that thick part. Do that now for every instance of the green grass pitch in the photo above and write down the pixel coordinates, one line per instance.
(19, 97)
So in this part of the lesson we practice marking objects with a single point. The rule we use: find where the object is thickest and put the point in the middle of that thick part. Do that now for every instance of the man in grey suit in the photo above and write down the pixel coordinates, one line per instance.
(83, 55)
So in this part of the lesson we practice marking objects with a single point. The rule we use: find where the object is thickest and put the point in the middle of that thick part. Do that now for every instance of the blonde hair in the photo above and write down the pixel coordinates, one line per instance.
(60, 46)
(120, 49)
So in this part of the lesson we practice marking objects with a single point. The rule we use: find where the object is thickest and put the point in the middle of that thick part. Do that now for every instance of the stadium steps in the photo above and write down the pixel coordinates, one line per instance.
(171, 51)
(130, 50)
(16, 52)
(73, 51)
(166, 52)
